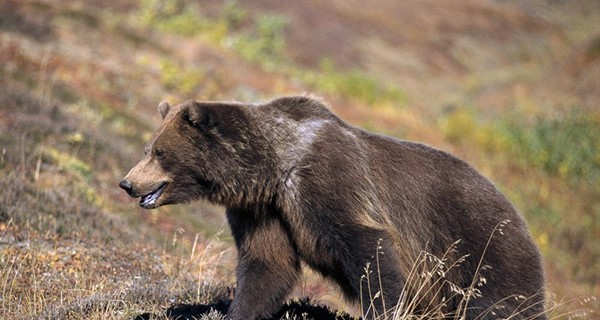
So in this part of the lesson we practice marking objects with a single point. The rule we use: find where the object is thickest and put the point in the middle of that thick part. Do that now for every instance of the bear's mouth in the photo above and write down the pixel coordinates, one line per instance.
(148, 201)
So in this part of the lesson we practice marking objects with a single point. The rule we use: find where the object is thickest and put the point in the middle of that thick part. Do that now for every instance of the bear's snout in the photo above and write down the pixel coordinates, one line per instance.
(127, 186)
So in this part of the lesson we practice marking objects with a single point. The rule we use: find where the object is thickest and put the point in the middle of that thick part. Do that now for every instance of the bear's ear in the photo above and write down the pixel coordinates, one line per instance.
(199, 116)
(163, 109)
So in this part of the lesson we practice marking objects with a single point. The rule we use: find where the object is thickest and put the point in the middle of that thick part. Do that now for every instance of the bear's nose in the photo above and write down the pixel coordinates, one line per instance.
(126, 185)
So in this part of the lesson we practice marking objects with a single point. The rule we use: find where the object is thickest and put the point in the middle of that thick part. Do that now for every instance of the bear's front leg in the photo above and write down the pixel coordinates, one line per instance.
(268, 265)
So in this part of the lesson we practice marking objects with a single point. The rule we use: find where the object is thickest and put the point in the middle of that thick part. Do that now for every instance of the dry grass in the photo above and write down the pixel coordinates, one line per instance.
(428, 277)
(107, 295)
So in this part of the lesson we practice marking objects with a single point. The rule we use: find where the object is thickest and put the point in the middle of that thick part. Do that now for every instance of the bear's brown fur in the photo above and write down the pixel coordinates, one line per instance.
(301, 185)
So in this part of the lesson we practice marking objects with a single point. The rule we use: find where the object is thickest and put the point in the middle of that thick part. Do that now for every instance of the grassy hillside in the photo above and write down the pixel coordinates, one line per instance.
(512, 87)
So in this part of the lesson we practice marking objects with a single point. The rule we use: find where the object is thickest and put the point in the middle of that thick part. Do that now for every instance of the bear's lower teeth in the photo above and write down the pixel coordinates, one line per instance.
(150, 199)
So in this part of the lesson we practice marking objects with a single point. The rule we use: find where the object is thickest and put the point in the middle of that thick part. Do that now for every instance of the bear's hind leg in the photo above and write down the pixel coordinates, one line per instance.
(373, 269)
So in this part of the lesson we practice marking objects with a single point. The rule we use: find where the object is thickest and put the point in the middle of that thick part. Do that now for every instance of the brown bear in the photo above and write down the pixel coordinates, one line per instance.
(374, 214)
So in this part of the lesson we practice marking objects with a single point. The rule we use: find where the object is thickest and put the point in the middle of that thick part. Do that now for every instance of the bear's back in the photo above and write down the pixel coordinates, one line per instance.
(300, 108)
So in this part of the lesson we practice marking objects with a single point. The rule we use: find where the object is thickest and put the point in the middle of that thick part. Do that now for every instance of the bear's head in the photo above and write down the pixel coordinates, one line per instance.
(201, 151)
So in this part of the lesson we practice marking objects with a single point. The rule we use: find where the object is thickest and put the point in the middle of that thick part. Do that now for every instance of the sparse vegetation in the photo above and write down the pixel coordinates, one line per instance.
(79, 83)
(354, 83)
(429, 275)
(265, 44)
(566, 147)
(171, 16)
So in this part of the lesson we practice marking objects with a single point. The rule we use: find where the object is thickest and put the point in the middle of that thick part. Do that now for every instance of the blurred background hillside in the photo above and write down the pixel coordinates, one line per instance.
(513, 87)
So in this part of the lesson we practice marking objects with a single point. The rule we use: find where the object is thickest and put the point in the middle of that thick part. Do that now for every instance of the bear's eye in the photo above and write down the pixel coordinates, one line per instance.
(158, 152)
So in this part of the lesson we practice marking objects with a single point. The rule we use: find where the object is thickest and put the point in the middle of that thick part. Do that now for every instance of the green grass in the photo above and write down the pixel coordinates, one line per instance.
(263, 43)
(567, 146)
(354, 83)
(171, 15)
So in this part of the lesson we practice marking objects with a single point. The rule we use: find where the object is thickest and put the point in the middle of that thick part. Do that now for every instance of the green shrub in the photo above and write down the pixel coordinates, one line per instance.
(178, 78)
(69, 163)
(233, 14)
(459, 125)
(171, 16)
(265, 44)
(262, 42)
(354, 83)
(567, 146)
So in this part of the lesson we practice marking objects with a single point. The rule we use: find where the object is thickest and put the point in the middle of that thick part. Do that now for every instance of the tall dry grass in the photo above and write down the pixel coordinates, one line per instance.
(428, 277)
